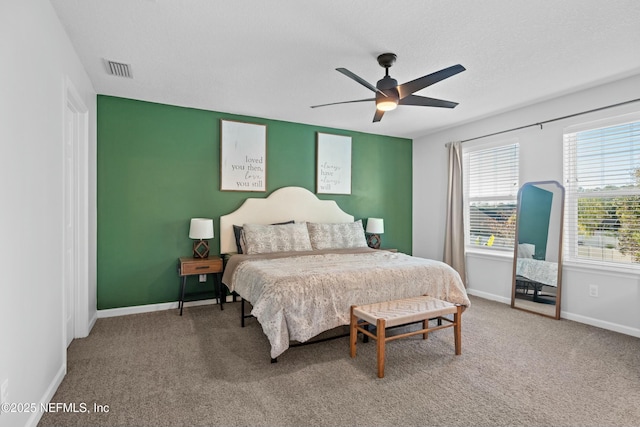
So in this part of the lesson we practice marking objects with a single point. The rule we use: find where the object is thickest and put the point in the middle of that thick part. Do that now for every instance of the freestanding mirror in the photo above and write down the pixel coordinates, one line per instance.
(537, 255)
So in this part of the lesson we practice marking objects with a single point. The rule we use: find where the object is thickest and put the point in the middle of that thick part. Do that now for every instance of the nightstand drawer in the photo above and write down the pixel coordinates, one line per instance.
(213, 265)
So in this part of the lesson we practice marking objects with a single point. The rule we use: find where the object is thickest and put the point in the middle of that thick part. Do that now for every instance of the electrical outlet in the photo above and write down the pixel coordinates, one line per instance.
(593, 291)
(203, 278)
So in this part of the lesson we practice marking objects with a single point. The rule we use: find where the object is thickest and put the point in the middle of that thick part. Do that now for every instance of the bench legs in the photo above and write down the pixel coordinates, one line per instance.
(353, 333)
(381, 338)
(457, 330)
(381, 341)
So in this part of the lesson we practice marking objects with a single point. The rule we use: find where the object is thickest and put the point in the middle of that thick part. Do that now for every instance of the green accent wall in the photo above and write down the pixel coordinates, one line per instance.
(535, 214)
(159, 166)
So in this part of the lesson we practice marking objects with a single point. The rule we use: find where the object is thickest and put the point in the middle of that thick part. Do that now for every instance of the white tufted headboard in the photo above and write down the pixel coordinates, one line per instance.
(284, 204)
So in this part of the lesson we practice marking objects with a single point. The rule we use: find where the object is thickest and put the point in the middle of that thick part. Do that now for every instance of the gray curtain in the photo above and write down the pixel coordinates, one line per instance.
(454, 227)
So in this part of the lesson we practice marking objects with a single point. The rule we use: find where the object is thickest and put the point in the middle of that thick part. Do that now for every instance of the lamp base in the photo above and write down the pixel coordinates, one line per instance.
(373, 241)
(201, 249)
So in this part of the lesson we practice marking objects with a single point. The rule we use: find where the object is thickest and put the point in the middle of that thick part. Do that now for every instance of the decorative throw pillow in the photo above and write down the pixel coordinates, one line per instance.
(262, 239)
(337, 236)
(238, 234)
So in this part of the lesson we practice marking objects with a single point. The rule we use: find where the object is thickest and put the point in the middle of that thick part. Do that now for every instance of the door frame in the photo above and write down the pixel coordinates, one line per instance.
(73, 104)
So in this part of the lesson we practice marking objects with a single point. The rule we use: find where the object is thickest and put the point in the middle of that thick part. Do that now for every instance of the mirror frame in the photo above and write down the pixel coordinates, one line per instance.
(560, 237)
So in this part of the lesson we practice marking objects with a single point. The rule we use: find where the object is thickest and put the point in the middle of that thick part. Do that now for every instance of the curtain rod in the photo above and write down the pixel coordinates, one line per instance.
(552, 120)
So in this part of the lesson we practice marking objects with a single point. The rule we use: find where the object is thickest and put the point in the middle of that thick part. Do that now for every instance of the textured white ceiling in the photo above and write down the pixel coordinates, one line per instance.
(275, 59)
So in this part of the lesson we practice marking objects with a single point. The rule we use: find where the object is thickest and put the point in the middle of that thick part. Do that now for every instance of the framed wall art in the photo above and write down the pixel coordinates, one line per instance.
(243, 156)
(333, 164)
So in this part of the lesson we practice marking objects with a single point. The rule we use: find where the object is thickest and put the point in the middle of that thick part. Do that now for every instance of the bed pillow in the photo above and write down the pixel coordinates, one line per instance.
(526, 250)
(237, 233)
(337, 236)
(262, 239)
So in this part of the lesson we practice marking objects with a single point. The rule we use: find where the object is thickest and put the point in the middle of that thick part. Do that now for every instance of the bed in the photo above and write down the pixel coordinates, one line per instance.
(302, 286)
(536, 274)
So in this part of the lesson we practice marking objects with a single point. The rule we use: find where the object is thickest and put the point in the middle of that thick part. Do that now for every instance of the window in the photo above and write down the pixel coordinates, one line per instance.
(602, 181)
(490, 191)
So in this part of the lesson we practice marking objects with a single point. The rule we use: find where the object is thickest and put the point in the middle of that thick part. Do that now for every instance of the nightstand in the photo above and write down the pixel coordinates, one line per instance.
(196, 266)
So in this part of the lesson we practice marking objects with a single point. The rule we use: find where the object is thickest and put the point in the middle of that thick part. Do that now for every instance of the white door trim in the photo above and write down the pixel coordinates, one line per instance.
(80, 205)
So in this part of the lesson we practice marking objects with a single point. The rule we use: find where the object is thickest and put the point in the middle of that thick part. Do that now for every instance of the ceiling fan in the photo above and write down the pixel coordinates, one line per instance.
(389, 94)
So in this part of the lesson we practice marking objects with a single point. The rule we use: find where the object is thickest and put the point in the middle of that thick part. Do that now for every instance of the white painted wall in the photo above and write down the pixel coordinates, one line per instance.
(618, 305)
(36, 58)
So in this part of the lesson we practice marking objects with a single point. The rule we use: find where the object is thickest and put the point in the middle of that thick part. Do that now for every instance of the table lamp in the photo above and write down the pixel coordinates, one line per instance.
(201, 229)
(375, 227)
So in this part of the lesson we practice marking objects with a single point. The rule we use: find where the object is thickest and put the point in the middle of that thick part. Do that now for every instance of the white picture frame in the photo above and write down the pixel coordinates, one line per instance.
(243, 156)
(333, 164)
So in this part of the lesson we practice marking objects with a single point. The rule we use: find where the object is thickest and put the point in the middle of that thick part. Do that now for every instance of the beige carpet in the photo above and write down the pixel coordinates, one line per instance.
(203, 369)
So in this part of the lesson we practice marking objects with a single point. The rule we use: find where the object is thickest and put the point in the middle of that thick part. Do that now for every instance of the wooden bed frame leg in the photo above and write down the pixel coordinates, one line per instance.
(425, 325)
(242, 314)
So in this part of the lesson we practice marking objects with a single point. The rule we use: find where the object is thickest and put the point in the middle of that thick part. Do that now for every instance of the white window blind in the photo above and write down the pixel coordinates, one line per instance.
(490, 191)
(602, 182)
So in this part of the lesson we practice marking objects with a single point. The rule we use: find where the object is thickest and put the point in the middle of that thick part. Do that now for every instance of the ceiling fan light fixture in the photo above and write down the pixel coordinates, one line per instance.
(389, 93)
(387, 104)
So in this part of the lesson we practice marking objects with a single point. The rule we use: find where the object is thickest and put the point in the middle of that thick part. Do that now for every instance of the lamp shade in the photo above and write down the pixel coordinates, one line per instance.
(201, 228)
(375, 226)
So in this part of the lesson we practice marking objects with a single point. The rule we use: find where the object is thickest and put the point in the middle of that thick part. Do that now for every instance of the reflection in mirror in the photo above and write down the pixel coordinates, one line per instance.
(537, 257)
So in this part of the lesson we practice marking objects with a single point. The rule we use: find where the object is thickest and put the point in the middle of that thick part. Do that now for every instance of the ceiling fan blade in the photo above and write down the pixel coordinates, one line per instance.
(343, 102)
(378, 115)
(408, 88)
(360, 80)
(426, 102)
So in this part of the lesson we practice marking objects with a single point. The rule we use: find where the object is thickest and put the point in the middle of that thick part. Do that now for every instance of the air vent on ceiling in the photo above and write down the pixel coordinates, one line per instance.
(118, 69)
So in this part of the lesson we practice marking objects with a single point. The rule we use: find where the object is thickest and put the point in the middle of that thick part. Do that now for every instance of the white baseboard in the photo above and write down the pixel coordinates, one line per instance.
(488, 296)
(137, 309)
(34, 419)
(92, 322)
(634, 332)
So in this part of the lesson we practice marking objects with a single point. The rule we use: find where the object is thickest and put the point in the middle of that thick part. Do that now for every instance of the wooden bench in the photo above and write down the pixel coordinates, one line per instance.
(402, 312)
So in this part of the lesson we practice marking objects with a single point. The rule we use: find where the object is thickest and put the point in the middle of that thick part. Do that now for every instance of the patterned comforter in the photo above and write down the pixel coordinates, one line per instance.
(298, 295)
(543, 272)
